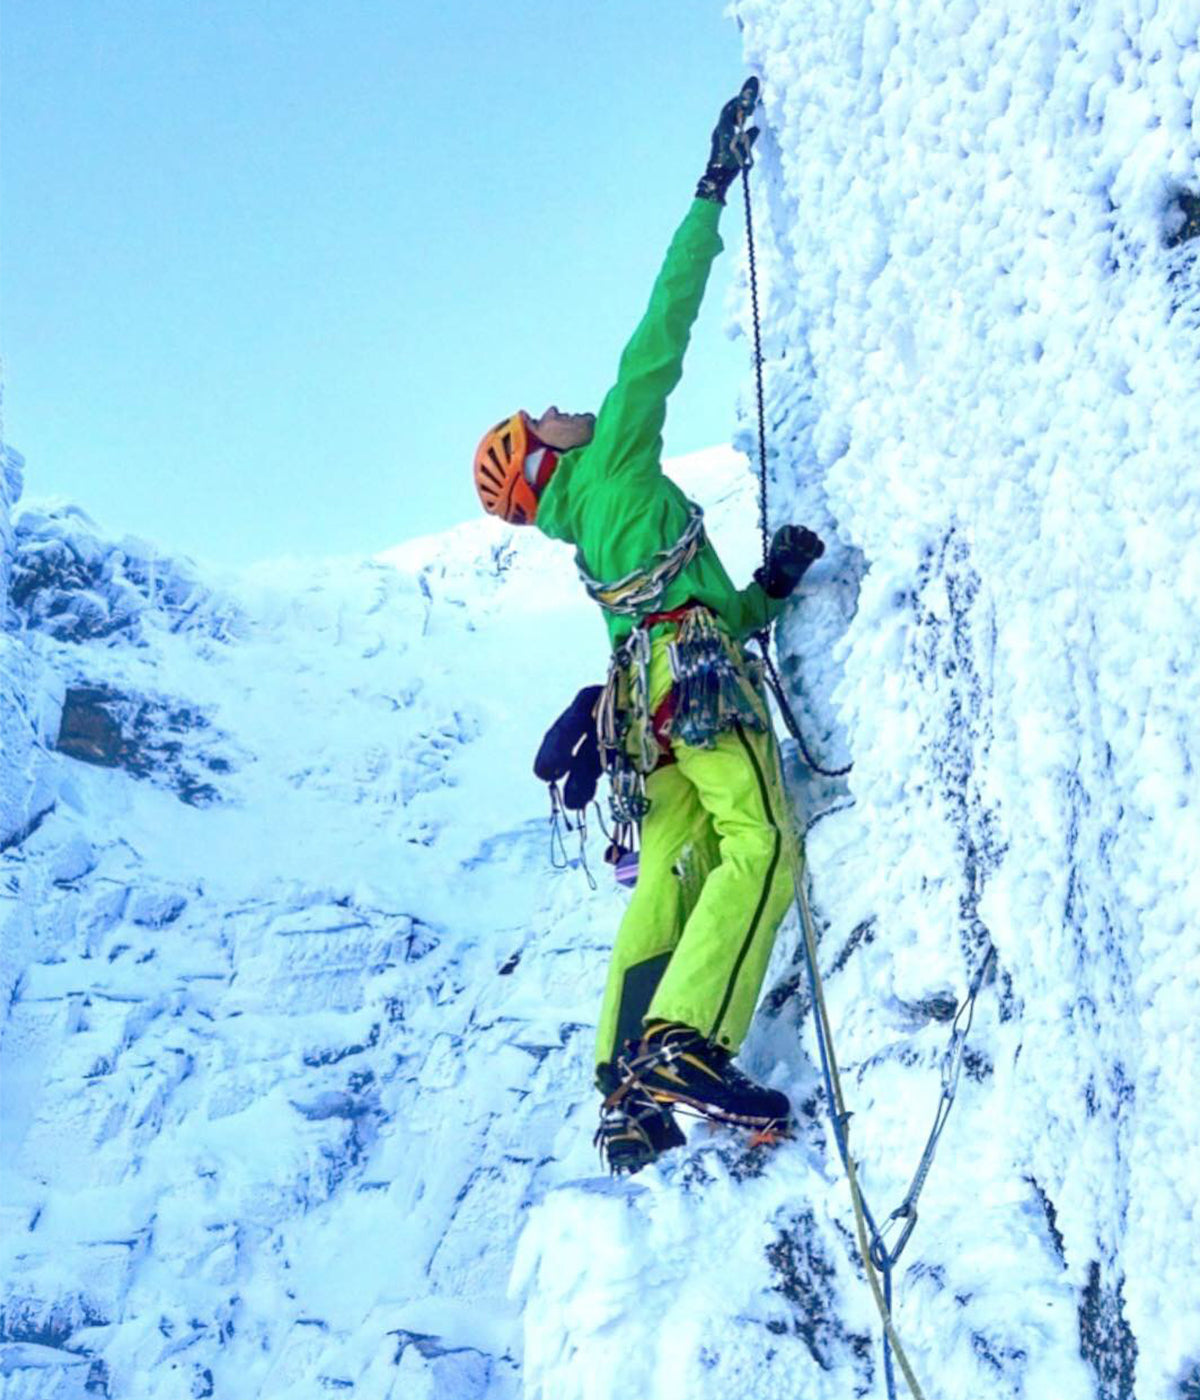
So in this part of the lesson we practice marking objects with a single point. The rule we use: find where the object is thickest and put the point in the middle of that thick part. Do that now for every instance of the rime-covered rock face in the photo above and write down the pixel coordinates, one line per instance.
(27, 701)
(977, 241)
(70, 583)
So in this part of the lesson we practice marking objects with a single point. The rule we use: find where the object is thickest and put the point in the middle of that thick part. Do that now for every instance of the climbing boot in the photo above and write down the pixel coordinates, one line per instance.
(634, 1130)
(675, 1064)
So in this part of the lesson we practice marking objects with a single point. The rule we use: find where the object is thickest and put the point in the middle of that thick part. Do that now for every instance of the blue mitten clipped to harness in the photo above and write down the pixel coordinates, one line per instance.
(571, 750)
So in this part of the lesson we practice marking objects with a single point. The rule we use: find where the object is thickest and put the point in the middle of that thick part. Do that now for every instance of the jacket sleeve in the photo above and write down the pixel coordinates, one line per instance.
(751, 610)
(628, 435)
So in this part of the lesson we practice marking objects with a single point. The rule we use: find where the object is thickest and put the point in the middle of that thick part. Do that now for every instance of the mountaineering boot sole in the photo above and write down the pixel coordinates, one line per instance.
(677, 1067)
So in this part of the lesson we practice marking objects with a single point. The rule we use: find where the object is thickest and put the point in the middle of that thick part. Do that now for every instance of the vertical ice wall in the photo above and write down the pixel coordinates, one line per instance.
(982, 319)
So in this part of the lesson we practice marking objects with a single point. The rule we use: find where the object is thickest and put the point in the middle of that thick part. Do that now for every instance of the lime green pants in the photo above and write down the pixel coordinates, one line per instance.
(714, 882)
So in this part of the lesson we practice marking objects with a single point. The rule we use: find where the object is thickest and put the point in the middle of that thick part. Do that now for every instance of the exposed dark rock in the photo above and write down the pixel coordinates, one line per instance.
(1183, 219)
(88, 732)
(97, 1381)
(1106, 1340)
(22, 834)
(805, 1276)
(45, 1323)
(100, 725)
(156, 908)
(1002, 1360)
(316, 1058)
(420, 942)
(1051, 1214)
(794, 987)
(463, 1372)
(960, 739)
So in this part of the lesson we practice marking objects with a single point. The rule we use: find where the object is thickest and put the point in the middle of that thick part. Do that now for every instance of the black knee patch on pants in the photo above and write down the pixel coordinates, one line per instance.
(637, 992)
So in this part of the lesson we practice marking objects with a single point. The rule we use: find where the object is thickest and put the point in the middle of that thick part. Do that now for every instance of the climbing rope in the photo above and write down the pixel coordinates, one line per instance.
(763, 638)
(758, 370)
(878, 1260)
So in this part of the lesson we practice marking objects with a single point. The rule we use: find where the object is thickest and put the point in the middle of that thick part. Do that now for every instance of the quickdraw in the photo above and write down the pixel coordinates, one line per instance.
(714, 686)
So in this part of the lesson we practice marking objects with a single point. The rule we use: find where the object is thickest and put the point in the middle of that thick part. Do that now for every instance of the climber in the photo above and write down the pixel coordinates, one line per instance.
(683, 723)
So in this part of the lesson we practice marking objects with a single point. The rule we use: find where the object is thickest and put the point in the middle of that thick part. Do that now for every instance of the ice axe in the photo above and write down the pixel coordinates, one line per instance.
(742, 137)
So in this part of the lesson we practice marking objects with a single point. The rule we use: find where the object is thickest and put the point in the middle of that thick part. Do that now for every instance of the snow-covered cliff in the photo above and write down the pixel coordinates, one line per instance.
(981, 310)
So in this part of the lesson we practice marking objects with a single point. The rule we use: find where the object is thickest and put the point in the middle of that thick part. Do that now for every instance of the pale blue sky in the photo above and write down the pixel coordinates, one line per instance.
(268, 268)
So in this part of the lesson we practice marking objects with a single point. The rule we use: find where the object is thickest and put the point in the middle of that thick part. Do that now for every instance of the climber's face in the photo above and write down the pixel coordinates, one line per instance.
(563, 431)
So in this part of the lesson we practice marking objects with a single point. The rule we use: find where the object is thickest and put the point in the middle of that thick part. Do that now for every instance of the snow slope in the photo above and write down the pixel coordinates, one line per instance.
(297, 1015)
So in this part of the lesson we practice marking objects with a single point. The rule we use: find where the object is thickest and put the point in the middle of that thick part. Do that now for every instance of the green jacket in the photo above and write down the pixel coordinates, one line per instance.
(610, 498)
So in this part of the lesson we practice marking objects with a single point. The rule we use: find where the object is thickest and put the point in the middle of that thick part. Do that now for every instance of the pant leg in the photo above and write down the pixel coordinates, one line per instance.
(678, 849)
(713, 979)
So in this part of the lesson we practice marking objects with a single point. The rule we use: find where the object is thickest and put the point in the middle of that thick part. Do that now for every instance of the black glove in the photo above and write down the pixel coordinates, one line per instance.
(792, 550)
(731, 142)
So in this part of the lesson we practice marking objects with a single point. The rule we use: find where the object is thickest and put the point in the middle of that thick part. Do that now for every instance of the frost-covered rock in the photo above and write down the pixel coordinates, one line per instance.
(980, 303)
(72, 583)
(30, 694)
(166, 742)
(31, 1372)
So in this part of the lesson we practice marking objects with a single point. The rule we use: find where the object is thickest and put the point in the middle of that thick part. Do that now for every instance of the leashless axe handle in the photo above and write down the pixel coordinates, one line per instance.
(743, 105)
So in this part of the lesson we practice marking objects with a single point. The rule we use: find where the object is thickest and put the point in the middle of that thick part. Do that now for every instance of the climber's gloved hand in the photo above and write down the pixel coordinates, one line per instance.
(792, 550)
(731, 143)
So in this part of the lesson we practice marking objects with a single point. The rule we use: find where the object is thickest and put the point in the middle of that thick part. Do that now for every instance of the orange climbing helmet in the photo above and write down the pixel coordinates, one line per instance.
(500, 478)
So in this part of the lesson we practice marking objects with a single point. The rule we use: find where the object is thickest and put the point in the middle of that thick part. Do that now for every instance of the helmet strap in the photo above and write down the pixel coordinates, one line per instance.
(539, 467)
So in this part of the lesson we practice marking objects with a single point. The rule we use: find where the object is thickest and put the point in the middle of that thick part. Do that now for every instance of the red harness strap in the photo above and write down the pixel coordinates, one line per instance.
(665, 713)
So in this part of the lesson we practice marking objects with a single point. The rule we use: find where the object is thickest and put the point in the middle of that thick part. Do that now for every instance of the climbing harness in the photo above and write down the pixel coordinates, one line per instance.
(878, 1259)
(713, 690)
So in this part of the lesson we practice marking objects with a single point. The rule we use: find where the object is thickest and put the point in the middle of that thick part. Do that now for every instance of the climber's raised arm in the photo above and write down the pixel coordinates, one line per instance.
(628, 433)
(516, 460)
